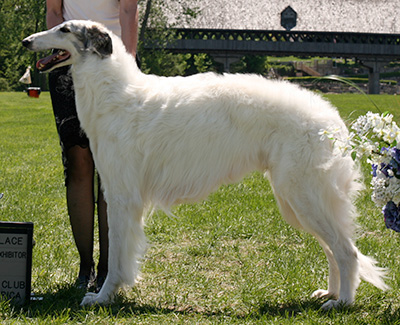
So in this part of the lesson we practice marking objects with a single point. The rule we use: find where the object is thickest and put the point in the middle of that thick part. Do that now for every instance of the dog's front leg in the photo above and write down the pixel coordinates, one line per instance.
(127, 244)
(104, 297)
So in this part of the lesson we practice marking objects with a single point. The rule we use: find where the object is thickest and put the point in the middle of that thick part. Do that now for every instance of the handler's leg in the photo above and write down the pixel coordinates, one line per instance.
(102, 267)
(80, 201)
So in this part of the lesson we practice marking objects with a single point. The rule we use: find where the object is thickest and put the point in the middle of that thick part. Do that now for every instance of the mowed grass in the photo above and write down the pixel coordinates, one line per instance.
(230, 259)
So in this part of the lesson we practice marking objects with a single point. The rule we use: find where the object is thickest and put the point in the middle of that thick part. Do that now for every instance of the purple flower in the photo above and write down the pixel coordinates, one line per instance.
(392, 216)
(374, 169)
(385, 169)
(395, 153)
(395, 162)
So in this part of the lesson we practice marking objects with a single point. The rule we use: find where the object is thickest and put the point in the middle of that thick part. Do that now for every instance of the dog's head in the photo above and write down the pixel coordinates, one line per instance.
(75, 37)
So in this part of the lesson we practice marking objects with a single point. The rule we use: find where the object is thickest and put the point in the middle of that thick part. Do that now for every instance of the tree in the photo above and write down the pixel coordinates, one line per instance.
(17, 20)
(156, 27)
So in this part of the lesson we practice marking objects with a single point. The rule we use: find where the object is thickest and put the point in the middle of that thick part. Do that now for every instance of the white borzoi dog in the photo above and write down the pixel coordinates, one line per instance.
(160, 141)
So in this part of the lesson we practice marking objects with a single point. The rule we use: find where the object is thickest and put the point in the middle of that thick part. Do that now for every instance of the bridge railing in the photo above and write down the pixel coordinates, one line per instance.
(272, 42)
(286, 36)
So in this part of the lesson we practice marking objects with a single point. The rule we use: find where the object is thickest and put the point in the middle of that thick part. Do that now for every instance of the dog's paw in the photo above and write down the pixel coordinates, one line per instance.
(92, 298)
(323, 294)
(89, 299)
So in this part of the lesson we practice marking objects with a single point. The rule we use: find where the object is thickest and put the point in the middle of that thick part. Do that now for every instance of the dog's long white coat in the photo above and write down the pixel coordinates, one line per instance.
(162, 141)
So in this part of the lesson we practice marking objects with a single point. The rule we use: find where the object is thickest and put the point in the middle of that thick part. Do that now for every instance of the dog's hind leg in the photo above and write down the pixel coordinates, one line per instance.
(353, 266)
(127, 244)
(304, 211)
(345, 255)
(335, 238)
(334, 275)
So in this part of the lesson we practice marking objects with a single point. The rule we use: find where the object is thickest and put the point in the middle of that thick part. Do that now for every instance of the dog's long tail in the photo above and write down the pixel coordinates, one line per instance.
(370, 272)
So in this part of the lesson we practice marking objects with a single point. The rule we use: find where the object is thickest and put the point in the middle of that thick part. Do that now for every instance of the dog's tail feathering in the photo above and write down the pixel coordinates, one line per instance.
(368, 269)
(370, 272)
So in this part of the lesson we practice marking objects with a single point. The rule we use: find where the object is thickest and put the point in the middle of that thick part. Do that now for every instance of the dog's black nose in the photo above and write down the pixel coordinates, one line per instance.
(26, 42)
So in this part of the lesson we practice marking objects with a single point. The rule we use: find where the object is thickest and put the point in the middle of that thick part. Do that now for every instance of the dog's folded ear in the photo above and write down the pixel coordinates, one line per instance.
(99, 42)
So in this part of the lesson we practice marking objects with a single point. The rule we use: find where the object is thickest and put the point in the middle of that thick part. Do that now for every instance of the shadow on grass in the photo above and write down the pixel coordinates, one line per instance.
(58, 298)
(64, 301)
(266, 309)
(290, 309)
(296, 308)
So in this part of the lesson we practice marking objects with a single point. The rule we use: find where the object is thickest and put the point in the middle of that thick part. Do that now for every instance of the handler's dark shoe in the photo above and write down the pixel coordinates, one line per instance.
(99, 283)
(85, 282)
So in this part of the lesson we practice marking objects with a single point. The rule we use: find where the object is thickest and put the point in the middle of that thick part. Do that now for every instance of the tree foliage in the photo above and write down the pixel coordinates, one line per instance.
(18, 19)
(155, 27)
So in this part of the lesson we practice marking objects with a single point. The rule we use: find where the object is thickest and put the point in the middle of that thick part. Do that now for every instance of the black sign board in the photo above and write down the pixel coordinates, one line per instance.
(288, 18)
(16, 260)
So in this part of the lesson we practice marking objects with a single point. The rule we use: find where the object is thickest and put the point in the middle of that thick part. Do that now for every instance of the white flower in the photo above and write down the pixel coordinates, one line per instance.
(361, 125)
(373, 136)
(380, 196)
(330, 133)
(374, 119)
(365, 148)
(391, 133)
(324, 134)
(388, 118)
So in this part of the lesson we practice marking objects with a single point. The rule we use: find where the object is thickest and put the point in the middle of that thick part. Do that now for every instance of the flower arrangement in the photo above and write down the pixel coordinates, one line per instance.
(377, 138)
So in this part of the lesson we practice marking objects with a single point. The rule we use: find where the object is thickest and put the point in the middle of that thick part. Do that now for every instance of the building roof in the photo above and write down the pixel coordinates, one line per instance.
(364, 16)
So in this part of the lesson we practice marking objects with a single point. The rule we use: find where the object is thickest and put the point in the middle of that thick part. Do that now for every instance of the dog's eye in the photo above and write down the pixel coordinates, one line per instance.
(64, 30)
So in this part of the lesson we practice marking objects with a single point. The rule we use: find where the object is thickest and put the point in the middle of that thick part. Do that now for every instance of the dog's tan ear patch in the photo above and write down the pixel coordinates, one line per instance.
(99, 42)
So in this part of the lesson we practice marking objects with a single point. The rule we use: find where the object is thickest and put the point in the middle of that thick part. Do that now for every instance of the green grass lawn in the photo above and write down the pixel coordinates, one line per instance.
(230, 259)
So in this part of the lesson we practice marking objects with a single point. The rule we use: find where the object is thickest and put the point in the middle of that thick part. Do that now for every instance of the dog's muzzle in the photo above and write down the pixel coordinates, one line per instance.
(47, 63)
(27, 43)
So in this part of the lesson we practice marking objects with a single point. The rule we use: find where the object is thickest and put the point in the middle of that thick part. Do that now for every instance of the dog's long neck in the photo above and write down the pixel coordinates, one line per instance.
(99, 83)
